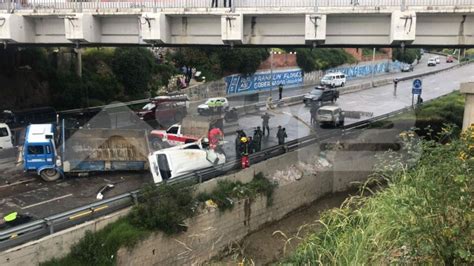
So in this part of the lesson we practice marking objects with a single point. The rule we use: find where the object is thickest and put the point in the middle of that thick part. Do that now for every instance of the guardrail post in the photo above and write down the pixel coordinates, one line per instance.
(50, 225)
(135, 198)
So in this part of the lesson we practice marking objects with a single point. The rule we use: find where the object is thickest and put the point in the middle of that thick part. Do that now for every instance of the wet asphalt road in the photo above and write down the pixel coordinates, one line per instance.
(28, 193)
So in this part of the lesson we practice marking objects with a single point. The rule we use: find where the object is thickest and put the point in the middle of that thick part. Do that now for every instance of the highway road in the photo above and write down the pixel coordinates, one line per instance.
(28, 194)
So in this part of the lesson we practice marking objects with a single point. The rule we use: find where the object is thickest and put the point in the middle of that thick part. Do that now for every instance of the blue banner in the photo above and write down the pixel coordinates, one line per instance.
(261, 81)
(366, 70)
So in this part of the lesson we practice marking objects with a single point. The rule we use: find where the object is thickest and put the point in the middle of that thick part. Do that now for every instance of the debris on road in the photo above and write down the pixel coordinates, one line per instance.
(100, 194)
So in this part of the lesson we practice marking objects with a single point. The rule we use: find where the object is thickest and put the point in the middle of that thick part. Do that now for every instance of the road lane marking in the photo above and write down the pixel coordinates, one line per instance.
(18, 182)
(46, 201)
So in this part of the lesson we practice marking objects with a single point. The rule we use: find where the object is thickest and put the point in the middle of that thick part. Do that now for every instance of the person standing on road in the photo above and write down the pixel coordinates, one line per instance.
(395, 83)
(244, 152)
(313, 111)
(281, 135)
(215, 135)
(265, 123)
(240, 134)
(257, 138)
(280, 91)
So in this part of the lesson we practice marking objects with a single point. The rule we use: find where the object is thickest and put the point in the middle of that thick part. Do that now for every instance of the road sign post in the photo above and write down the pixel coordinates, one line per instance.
(416, 89)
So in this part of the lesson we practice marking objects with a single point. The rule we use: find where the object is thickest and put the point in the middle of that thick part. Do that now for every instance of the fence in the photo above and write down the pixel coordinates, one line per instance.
(158, 4)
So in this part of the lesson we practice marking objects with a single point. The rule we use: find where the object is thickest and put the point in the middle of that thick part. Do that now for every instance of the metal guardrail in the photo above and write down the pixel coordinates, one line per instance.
(49, 225)
(79, 5)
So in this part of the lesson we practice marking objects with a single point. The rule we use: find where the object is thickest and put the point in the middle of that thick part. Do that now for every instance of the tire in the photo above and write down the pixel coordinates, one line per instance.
(50, 175)
(343, 84)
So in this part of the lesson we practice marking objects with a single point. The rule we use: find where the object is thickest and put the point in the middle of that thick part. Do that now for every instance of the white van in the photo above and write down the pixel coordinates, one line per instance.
(336, 79)
(5, 137)
(171, 163)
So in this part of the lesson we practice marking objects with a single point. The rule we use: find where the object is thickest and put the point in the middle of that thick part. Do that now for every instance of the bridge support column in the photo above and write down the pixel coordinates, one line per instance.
(468, 89)
(403, 27)
(16, 29)
(232, 28)
(154, 28)
(315, 29)
(82, 28)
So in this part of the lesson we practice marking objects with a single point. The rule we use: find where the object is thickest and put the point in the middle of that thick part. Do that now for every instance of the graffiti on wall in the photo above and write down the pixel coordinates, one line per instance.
(367, 70)
(262, 81)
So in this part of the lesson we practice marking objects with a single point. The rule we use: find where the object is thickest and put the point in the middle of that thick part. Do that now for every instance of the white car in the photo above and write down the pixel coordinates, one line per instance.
(337, 79)
(330, 114)
(438, 61)
(204, 109)
(432, 62)
(5, 137)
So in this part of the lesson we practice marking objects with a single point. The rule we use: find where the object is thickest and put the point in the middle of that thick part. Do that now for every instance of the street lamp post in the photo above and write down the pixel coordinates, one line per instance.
(271, 74)
(373, 66)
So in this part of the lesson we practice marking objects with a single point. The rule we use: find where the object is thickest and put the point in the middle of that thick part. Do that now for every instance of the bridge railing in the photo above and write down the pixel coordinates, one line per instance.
(79, 5)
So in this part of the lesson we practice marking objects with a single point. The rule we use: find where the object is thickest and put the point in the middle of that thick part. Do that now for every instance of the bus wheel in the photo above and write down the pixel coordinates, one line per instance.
(50, 175)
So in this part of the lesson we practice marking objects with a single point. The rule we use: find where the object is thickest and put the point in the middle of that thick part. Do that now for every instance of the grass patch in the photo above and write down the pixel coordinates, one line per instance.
(227, 192)
(424, 216)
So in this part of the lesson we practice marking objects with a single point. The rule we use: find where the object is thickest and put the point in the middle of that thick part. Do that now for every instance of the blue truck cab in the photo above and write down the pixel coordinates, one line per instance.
(39, 152)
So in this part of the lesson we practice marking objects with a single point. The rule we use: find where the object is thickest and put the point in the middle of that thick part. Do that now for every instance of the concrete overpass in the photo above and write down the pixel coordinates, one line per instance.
(328, 23)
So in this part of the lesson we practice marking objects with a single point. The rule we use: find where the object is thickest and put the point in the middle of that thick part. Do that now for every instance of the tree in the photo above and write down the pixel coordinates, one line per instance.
(321, 59)
(133, 68)
(406, 56)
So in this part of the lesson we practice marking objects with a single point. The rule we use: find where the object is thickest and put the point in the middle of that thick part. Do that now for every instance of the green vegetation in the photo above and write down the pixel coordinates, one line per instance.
(406, 55)
(430, 117)
(160, 208)
(217, 62)
(226, 191)
(425, 212)
(424, 216)
(321, 59)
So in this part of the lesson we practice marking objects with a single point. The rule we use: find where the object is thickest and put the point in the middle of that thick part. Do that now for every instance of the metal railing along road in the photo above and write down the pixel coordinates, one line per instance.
(119, 5)
(49, 225)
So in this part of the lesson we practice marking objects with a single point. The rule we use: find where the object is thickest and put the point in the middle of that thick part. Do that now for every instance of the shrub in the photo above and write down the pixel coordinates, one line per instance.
(226, 191)
(163, 208)
(424, 215)
(406, 55)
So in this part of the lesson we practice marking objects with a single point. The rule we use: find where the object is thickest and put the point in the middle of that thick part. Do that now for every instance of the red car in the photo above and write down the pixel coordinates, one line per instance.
(449, 59)
(165, 110)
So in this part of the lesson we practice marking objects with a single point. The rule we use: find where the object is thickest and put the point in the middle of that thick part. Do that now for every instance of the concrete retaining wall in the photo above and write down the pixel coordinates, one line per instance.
(56, 245)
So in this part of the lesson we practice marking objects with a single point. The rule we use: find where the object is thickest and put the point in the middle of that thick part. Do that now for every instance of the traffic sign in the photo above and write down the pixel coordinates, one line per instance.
(416, 91)
(417, 84)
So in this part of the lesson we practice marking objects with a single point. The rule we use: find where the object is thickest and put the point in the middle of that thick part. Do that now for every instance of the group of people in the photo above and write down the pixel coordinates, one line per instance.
(246, 145)
(214, 3)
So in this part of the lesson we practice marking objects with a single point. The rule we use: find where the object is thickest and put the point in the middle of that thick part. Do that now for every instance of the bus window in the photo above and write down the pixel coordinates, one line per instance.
(35, 149)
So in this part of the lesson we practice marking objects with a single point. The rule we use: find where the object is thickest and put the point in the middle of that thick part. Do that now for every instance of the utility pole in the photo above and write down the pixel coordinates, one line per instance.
(271, 74)
(373, 67)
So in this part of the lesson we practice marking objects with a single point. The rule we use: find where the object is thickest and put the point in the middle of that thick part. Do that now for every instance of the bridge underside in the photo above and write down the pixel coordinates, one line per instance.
(245, 27)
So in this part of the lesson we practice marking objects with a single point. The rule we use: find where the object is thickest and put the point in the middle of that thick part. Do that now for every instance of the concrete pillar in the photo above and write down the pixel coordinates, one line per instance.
(155, 28)
(16, 29)
(232, 28)
(78, 62)
(82, 28)
(315, 29)
(468, 89)
(403, 27)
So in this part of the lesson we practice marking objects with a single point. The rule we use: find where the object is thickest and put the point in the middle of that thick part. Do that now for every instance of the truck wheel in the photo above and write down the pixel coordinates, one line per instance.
(50, 175)
(343, 84)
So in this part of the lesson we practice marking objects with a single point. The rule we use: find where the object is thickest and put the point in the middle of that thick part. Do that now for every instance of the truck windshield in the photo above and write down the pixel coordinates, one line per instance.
(164, 167)
(36, 149)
